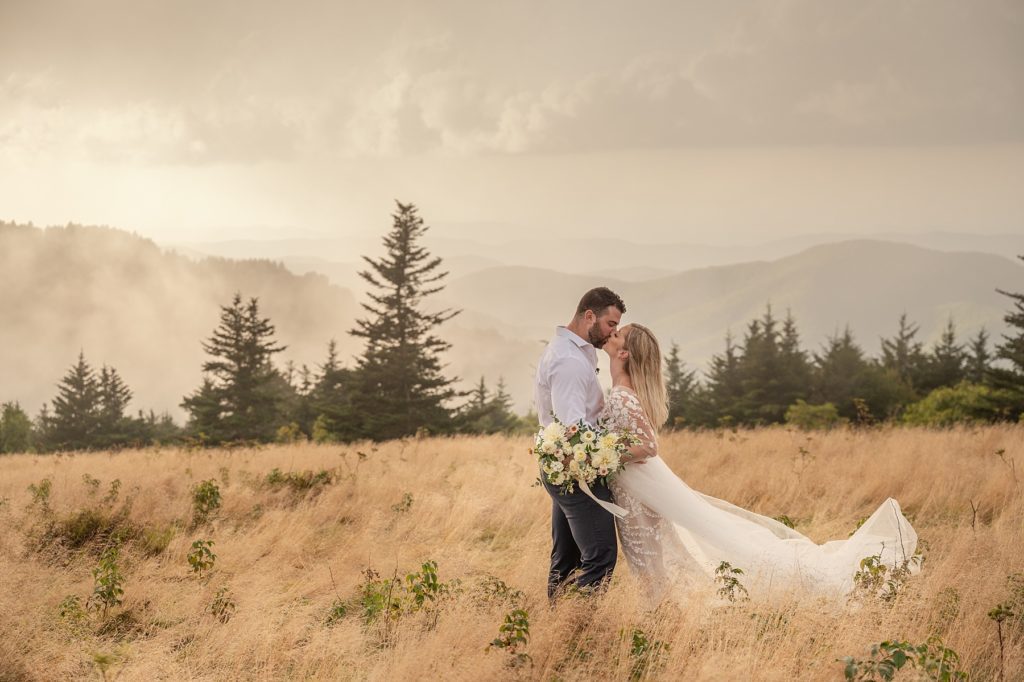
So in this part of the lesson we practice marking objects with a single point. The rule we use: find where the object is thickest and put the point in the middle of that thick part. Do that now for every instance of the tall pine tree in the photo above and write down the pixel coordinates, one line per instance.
(978, 359)
(243, 395)
(1010, 376)
(75, 421)
(719, 403)
(15, 429)
(681, 387)
(903, 353)
(944, 364)
(114, 428)
(401, 388)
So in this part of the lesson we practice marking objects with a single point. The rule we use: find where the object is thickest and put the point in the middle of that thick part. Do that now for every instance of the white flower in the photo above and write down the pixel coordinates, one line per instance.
(553, 432)
(558, 478)
(557, 466)
(579, 448)
(608, 441)
(588, 436)
(579, 456)
(574, 467)
(549, 447)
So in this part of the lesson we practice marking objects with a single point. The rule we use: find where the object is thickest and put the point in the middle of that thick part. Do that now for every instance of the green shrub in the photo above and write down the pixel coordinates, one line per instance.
(201, 557)
(108, 582)
(513, 634)
(206, 501)
(813, 417)
(300, 481)
(289, 433)
(964, 403)
(933, 659)
(90, 526)
(731, 589)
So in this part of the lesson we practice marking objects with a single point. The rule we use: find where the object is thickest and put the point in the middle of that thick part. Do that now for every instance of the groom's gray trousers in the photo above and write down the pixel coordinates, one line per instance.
(582, 537)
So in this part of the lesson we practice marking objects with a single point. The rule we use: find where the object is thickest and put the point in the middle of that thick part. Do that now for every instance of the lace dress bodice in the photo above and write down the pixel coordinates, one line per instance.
(652, 549)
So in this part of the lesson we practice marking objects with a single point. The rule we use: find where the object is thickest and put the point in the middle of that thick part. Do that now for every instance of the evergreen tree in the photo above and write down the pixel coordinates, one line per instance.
(304, 412)
(114, 428)
(398, 379)
(979, 358)
(903, 354)
(205, 408)
(486, 413)
(681, 387)
(718, 404)
(775, 372)
(944, 365)
(1010, 377)
(15, 429)
(244, 396)
(331, 400)
(75, 422)
(843, 375)
(505, 419)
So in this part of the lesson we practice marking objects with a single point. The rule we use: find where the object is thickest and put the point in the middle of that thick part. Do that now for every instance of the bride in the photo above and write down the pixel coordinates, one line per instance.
(676, 535)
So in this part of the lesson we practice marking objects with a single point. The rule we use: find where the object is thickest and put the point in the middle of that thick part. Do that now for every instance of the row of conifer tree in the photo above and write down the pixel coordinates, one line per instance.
(397, 387)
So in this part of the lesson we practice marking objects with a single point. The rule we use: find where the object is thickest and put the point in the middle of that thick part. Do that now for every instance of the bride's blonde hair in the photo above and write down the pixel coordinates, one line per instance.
(644, 367)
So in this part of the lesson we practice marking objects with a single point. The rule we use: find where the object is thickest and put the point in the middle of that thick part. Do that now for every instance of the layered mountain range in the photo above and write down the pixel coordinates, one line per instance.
(144, 308)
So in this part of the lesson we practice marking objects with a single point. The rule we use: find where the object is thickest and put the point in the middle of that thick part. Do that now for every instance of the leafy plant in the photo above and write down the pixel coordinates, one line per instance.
(206, 501)
(876, 578)
(92, 485)
(71, 611)
(492, 590)
(108, 583)
(731, 589)
(403, 506)
(644, 654)
(223, 605)
(299, 481)
(379, 597)
(113, 491)
(514, 634)
(1006, 611)
(201, 557)
(41, 494)
(423, 586)
(932, 658)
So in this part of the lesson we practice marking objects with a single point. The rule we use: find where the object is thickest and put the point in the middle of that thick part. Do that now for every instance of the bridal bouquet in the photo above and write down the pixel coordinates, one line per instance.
(579, 453)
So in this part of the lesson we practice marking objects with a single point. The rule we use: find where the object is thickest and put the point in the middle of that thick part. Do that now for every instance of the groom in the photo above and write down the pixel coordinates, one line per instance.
(582, 533)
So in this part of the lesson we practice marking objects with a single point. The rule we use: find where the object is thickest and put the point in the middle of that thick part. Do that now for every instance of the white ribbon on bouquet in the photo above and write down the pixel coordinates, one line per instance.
(614, 509)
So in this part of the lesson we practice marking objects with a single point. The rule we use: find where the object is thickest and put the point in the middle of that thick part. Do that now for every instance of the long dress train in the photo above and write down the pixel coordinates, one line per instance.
(677, 535)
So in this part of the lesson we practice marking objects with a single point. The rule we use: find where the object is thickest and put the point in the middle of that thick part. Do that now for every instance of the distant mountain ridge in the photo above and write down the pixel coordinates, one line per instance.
(124, 301)
(127, 302)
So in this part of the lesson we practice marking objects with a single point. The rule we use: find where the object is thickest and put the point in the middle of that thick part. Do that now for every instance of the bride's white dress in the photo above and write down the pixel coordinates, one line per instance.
(676, 535)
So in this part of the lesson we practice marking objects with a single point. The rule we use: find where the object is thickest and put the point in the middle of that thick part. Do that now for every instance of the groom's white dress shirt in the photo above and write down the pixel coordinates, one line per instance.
(566, 381)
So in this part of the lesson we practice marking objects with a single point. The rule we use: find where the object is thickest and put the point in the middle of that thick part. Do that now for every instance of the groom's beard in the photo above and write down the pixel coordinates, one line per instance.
(595, 338)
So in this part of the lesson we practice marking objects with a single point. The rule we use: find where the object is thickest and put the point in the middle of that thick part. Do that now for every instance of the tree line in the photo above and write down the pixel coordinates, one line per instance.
(768, 378)
(398, 388)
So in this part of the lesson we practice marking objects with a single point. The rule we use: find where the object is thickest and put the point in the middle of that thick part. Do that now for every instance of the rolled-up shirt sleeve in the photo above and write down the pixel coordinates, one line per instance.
(569, 382)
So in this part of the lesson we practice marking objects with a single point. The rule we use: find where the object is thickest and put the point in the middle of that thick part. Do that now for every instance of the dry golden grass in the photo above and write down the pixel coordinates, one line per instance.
(474, 512)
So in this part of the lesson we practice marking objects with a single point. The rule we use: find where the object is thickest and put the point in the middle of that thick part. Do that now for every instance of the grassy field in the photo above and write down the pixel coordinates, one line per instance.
(292, 553)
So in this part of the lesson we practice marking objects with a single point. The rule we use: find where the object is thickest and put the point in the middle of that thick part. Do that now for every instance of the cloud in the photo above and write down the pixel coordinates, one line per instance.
(274, 84)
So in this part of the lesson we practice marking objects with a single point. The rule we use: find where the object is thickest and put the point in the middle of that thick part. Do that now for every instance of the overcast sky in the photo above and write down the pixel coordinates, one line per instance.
(710, 121)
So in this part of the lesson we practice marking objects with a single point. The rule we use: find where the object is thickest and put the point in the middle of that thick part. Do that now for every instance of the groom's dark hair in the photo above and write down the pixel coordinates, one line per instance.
(598, 300)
